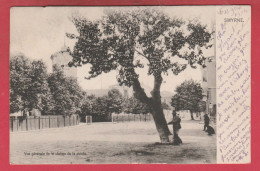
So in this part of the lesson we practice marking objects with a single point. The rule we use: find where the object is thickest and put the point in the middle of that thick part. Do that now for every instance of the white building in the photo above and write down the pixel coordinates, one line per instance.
(61, 59)
(209, 85)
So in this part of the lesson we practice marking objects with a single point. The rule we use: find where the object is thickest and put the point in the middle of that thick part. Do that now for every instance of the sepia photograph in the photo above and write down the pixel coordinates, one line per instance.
(113, 85)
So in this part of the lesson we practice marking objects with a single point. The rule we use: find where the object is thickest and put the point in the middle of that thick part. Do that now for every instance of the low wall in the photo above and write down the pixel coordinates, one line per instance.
(42, 122)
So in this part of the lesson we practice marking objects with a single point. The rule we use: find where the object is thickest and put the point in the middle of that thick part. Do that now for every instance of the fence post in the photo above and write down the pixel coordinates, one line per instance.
(17, 124)
(12, 124)
(26, 121)
(30, 121)
(39, 122)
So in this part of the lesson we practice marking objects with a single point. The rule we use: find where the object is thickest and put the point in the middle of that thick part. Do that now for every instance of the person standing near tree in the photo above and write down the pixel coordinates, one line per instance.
(176, 122)
(206, 122)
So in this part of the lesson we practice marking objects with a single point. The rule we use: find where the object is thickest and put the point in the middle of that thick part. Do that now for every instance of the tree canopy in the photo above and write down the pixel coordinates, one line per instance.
(67, 94)
(28, 85)
(114, 100)
(135, 106)
(31, 87)
(126, 40)
(188, 96)
(114, 43)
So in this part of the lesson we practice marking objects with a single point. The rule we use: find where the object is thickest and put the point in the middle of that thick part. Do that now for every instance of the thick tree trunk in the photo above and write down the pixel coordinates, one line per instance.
(157, 111)
(155, 106)
(160, 123)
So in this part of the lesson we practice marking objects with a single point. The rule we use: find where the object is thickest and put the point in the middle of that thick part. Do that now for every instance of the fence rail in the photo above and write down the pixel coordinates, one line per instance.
(131, 117)
(42, 122)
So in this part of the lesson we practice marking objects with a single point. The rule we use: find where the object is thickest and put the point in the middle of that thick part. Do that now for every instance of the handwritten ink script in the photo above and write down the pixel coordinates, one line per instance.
(233, 84)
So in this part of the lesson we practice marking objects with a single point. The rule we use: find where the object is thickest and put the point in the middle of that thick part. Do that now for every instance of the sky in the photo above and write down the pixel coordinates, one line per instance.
(39, 32)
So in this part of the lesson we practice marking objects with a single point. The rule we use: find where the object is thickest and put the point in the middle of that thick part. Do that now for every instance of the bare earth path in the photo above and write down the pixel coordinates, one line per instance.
(129, 142)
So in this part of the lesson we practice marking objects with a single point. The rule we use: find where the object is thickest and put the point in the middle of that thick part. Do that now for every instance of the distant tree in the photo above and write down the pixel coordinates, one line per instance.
(76, 94)
(114, 100)
(100, 110)
(40, 95)
(188, 97)
(86, 106)
(121, 38)
(66, 93)
(20, 68)
(28, 85)
(135, 106)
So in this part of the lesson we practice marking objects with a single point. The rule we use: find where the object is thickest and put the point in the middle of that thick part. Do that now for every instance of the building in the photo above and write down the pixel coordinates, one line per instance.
(209, 85)
(61, 59)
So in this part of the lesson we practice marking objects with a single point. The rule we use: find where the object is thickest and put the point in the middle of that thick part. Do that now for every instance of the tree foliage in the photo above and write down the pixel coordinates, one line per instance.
(28, 85)
(86, 106)
(19, 81)
(114, 42)
(114, 100)
(101, 108)
(135, 106)
(66, 93)
(32, 88)
(188, 97)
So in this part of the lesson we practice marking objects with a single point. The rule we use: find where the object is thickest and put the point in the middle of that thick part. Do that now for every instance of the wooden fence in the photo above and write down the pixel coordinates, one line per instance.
(131, 117)
(42, 122)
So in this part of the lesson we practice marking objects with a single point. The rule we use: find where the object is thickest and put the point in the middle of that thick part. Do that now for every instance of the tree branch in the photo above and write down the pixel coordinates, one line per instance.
(140, 93)
(142, 54)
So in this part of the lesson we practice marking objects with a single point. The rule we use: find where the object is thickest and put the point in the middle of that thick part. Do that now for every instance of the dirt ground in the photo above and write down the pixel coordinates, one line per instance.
(129, 142)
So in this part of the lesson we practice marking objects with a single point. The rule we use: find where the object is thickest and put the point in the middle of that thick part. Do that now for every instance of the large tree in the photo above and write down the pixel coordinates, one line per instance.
(20, 69)
(126, 40)
(28, 85)
(67, 94)
(188, 97)
(114, 100)
(100, 110)
(86, 107)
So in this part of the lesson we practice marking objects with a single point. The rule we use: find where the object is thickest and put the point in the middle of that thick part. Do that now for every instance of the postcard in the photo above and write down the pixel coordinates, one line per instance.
(130, 85)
